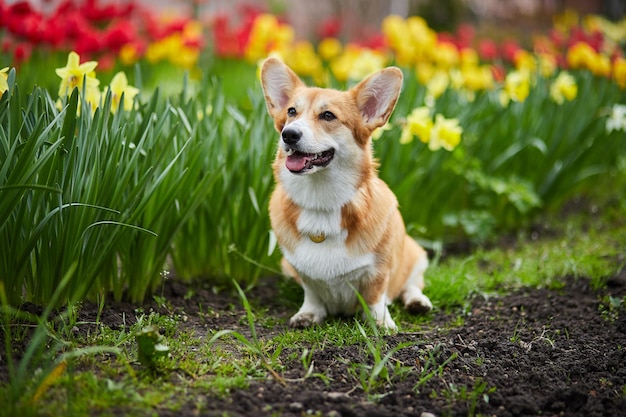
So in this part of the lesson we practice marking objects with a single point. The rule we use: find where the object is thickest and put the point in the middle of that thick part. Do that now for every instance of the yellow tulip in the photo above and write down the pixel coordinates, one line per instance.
(329, 48)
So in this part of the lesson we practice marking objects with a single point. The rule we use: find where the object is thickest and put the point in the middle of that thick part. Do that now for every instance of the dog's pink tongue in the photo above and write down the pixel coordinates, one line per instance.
(297, 161)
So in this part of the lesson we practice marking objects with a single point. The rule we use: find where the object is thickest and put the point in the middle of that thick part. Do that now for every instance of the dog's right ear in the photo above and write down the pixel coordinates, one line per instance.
(279, 84)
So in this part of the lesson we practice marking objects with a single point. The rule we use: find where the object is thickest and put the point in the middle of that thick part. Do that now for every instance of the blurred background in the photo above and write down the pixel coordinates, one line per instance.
(355, 18)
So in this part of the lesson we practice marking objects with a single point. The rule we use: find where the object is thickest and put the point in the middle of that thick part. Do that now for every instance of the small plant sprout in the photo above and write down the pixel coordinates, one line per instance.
(150, 346)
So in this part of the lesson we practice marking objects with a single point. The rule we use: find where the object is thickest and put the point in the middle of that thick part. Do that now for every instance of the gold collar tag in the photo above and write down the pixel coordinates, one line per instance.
(317, 238)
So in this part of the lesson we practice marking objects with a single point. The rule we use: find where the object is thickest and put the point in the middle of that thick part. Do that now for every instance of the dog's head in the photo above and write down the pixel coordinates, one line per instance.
(325, 128)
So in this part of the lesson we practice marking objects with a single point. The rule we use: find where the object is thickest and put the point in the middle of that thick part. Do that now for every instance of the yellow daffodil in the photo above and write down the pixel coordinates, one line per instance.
(425, 71)
(547, 64)
(563, 88)
(418, 123)
(437, 84)
(378, 133)
(446, 55)
(75, 75)
(445, 133)
(477, 78)
(4, 75)
(366, 63)
(119, 86)
(525, 61)
(411, 39)
(516, 87)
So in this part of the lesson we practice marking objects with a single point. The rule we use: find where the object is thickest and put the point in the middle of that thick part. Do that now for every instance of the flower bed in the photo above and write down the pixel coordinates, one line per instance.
(101, 182)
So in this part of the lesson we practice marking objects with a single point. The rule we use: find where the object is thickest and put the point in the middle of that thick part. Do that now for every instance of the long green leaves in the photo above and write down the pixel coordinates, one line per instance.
(512, 161)
(103, 193)
(184, 182)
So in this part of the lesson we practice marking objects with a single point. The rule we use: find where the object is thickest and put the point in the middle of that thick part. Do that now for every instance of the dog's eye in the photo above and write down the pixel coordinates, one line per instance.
(328, 116)
(291, 111)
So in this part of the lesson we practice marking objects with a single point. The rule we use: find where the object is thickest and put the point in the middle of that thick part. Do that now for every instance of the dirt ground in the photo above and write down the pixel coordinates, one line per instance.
(535, 352)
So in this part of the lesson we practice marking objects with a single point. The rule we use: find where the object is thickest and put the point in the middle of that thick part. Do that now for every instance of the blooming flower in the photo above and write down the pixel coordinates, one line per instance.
(366, 63)
(516, 87)
(119, 86)
(329, 48)
(418, 123)
(617, 118)
(581, 55)
(445, 133)
(438, 83)
(75, 75)
(4, 86)
(563, 88)
(378, 133)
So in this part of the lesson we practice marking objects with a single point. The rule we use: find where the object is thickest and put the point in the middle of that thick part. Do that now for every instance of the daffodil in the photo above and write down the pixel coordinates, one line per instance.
(437, 84)
(418, 123)
(77, 75)
(4, 86)
(563, 88)
(366, 63)
(516, 87)
(617, 118)
(378, 133)
(445, 133)
(119, 87)
(547, 64)
(477, 78)
(446, 55)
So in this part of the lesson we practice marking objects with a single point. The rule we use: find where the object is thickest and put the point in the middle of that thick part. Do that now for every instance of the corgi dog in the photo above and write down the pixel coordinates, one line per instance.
(336, 222)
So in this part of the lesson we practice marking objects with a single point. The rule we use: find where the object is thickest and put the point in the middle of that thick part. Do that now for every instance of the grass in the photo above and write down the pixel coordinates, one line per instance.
(216, 363)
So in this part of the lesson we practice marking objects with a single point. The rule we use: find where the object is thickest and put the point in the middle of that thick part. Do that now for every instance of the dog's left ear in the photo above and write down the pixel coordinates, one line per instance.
(376, 96)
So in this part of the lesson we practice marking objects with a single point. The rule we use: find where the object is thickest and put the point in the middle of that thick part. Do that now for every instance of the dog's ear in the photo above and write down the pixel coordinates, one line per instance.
(376, 96)
(279, 83)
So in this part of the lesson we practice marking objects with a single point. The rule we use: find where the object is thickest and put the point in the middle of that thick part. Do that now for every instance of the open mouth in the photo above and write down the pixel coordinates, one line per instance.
(298, 162)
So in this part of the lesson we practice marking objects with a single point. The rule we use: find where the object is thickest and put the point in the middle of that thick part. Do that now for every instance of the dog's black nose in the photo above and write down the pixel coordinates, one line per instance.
(291, 135)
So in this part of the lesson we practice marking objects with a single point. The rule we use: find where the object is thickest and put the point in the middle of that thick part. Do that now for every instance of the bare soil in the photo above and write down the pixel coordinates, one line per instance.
(534, 352)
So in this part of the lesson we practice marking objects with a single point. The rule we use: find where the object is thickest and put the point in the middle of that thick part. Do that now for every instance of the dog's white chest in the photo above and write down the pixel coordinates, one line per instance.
(322, 253)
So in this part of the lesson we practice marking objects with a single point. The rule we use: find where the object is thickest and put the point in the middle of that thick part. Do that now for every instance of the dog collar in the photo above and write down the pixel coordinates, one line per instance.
(319, 238)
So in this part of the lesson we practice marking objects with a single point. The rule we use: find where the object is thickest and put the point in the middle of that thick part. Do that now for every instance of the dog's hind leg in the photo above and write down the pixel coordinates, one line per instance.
(414, 300)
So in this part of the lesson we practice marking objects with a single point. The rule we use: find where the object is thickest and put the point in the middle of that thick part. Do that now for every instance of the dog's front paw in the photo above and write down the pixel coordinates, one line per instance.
(387, 324)
(303, 320)
(418, 305)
